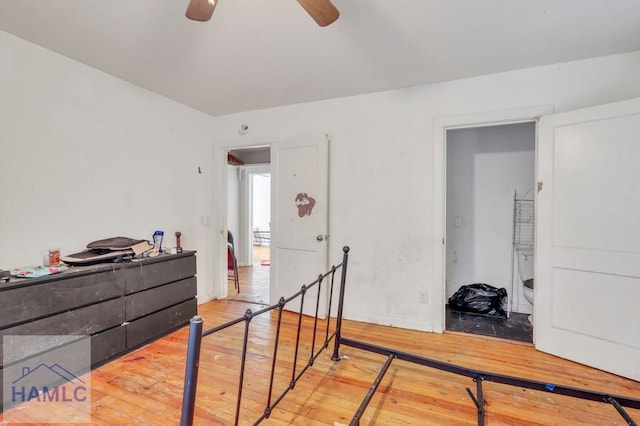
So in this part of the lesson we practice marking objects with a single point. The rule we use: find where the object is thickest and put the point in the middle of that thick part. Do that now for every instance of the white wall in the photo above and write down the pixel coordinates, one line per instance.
(381, 169)
(233, 201)
(485, 166)
(85, 156)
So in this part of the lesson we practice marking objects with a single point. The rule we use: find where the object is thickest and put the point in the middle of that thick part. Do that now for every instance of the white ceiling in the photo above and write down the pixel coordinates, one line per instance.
(262, 53)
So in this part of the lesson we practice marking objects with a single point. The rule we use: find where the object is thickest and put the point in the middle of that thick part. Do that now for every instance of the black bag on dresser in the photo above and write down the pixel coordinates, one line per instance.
(108, 250)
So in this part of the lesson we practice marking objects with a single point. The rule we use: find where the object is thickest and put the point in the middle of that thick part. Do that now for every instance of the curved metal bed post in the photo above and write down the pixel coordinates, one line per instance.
(275, 356)
(315, 319)
(343, 280)
(326, 334)
(191, 371)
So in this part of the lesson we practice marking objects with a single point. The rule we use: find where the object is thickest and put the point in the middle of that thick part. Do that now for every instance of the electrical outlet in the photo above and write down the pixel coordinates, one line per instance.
(423, 297)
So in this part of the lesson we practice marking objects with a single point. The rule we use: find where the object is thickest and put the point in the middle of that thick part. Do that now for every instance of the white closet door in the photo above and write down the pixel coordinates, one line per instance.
(587, 285)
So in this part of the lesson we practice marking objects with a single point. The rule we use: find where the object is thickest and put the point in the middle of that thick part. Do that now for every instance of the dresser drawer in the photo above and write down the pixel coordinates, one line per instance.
(158, 273)
(155, 299)
(39, 300)
(160, 323)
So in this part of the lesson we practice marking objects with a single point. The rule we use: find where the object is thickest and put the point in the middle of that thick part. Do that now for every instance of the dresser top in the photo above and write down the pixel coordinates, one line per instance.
(76, 271)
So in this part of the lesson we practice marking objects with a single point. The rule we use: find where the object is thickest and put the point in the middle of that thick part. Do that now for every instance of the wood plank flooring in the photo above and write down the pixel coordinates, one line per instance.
(254, 279)
(145, 386)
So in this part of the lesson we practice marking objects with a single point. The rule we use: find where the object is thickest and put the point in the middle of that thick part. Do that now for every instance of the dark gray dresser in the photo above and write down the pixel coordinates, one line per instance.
(120, 305)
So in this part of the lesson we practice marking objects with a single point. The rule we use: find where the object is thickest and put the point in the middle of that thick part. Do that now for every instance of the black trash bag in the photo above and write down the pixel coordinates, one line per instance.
(480, 299)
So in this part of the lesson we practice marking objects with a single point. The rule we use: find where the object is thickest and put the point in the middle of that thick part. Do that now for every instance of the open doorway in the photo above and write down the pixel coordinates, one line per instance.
(258, 279)
(248, 221)
(490, 177)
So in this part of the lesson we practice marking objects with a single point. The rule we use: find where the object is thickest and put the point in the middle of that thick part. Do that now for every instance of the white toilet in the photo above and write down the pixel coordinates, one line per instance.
(525, 269)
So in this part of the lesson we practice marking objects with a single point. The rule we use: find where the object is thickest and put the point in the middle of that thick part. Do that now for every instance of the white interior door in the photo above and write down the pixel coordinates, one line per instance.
(587, 286)
(299, 219)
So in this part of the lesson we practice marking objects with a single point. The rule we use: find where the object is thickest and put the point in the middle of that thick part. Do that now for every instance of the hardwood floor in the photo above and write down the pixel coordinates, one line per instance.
(145, 386)
(253, 280)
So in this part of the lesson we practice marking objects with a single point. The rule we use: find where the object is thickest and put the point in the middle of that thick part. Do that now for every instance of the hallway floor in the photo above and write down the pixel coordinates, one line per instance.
(254, 279)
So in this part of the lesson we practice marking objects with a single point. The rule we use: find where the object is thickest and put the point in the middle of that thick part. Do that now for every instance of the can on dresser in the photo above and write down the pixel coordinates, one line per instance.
(54, 256)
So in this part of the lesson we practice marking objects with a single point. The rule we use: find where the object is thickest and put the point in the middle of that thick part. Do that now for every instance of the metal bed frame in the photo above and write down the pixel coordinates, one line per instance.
(196, 334)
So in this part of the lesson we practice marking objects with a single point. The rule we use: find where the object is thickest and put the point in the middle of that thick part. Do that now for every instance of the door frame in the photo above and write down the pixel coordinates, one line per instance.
(245, 257)
(440, 127)
(221, 207)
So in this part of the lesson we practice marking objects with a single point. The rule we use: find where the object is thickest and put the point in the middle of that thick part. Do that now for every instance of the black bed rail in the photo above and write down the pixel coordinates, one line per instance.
(479, 377)
(196, 334)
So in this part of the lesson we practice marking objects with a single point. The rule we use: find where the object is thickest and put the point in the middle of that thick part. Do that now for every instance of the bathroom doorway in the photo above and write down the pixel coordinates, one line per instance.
(487, 169)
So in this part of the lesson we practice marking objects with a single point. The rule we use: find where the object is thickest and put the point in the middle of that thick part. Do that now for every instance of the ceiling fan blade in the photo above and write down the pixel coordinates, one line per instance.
(201, 10)
(322, 11)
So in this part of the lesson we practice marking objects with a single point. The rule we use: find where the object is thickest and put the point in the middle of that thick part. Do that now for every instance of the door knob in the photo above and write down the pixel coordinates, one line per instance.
(320, 237)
